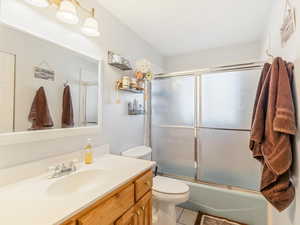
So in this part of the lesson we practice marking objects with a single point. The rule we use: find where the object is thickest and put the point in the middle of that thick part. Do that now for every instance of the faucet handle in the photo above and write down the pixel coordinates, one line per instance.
(51, 168)
(73, 163)
(55, 170)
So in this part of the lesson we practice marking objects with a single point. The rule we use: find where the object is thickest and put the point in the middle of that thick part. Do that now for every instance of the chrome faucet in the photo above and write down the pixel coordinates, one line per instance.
(62, 170)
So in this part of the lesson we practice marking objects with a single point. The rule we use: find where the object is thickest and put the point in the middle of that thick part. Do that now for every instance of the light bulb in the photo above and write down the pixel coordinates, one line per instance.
(38, 3)
(90, 27)
(67, 12)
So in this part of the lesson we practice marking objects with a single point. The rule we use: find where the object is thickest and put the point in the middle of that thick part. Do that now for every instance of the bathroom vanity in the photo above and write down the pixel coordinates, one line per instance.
(131, 204)
(114, 190)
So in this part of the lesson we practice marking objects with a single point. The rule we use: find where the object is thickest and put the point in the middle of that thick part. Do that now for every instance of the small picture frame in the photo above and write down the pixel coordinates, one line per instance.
(42, 73)
(288, 27)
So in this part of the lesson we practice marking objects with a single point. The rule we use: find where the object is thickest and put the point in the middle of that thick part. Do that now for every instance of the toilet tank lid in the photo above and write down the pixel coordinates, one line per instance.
(137, 152)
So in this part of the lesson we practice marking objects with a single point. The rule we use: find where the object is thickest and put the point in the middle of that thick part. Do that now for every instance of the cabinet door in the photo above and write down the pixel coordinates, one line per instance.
(109, 210)
(129, 218)
(144, 213)
(140, 214)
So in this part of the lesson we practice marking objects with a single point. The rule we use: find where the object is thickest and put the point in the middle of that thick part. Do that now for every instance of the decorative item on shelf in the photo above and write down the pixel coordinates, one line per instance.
(117, 88)
(139, 75)
(129, 85)
(67, 13)
(133, 83)
(134, 108)
(125, 82)
(140, 85)
(118, 61)
(143, 70)
(149, 76)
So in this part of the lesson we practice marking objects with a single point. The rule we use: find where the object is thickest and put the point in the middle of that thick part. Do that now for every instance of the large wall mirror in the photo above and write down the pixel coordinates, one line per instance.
(45, 86)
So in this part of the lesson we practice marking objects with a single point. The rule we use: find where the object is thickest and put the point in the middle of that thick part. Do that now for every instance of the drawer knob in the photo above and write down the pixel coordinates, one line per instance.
(138, 213)
(143, 208)
(148, 183)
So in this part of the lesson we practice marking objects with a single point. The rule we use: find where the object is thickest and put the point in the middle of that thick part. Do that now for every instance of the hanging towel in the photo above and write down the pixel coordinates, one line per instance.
(273, 125)
(39, 113)
(67, 113)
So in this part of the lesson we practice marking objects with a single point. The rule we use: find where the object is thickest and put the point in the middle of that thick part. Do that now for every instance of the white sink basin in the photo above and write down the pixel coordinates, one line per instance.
(77, 183)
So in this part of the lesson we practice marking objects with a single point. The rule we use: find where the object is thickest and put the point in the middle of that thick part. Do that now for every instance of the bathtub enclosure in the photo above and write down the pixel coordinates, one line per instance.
(200, 126)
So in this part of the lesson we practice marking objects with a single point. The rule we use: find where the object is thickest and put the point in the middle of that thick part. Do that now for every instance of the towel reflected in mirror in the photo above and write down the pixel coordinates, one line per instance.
(39, 114)
(67, 119)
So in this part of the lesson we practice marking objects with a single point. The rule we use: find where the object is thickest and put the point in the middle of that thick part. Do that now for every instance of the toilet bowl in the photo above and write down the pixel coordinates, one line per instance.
(167, 192)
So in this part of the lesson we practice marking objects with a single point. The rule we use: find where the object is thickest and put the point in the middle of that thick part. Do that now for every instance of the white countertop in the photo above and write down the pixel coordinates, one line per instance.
(29, 202)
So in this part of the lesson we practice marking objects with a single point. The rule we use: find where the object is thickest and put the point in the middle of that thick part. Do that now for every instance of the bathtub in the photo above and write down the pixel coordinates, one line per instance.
(246, 207)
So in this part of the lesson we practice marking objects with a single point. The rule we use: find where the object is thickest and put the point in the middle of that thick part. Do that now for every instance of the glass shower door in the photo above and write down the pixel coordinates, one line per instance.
(201, 127)
(173, 132)
(226, 103)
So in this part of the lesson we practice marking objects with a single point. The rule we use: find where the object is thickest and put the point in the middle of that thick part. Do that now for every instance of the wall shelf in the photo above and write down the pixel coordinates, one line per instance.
(118, 61)
(132, 90)
(136, 113)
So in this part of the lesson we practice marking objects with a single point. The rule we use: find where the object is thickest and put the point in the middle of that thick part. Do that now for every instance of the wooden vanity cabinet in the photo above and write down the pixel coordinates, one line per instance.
(130, 204)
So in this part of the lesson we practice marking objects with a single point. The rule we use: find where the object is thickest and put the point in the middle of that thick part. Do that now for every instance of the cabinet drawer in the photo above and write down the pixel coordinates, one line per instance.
(143, 185)
(108, 211)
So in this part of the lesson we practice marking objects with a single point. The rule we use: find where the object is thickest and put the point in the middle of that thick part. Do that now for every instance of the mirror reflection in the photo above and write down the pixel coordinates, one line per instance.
(45, 86)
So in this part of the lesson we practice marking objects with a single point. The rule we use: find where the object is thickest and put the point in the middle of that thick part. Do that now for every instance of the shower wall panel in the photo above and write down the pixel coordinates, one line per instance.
(173, 150)
(173, 101)
(173, 106)
(227, 99)
(224, 158)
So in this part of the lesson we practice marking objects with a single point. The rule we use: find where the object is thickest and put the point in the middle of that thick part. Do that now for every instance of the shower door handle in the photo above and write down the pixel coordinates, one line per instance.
(196, 155)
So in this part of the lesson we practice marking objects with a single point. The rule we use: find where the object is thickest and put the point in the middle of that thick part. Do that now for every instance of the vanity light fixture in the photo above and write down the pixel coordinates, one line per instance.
(67, 13)
(90, 26)
(38, 3)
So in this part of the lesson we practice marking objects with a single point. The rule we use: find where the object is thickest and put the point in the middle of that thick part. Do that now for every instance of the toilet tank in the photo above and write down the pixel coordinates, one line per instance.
(139, 152)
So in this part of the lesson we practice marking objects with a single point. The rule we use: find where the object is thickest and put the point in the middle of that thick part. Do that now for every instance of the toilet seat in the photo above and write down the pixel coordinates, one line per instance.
(165, 185)
(167, 193)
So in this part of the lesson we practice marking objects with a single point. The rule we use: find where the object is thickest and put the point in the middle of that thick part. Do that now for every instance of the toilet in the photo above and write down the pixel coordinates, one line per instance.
(167, 192)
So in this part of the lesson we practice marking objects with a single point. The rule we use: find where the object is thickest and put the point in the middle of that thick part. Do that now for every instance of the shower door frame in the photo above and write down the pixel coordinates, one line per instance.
(197, 115)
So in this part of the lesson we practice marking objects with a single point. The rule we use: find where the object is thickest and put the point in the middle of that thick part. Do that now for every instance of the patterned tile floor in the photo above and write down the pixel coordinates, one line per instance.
(185, 216)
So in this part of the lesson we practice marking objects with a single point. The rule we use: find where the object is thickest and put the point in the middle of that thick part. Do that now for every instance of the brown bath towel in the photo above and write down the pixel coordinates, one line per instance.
(39, 113)
(67, 113)
(273, 123)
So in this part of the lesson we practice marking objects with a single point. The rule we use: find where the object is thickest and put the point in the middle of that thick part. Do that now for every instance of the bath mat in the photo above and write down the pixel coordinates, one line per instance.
(206, 219)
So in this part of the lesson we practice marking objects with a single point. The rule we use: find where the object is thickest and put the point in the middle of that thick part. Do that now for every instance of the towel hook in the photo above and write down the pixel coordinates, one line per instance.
(269, 54)
(66, 84)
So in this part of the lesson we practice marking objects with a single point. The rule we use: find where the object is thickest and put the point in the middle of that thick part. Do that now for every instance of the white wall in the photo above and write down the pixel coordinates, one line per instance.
(119, 130)
(291, 52)
(234, 54)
